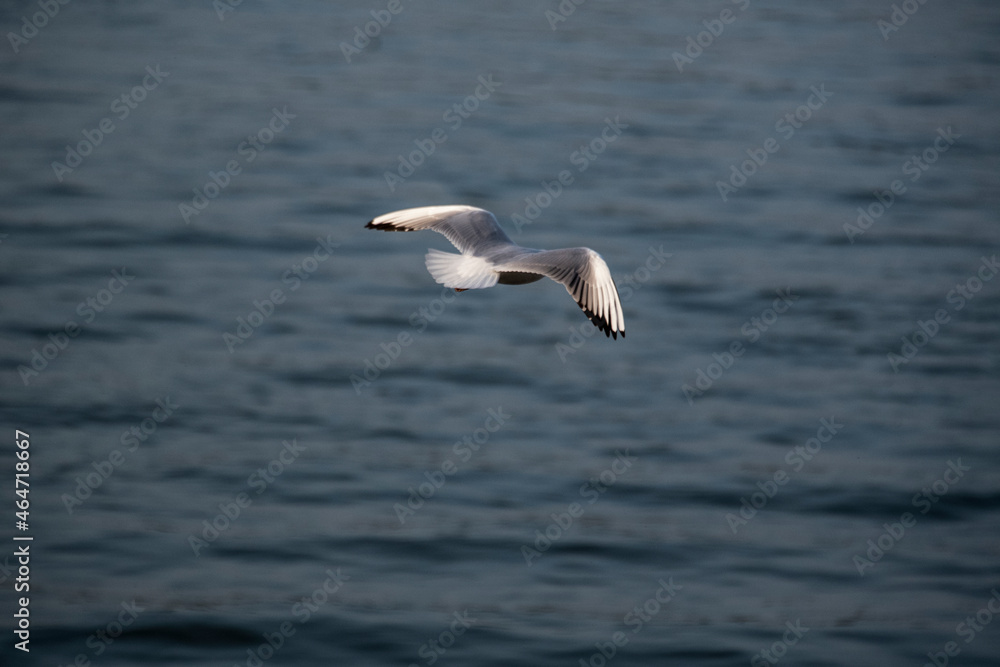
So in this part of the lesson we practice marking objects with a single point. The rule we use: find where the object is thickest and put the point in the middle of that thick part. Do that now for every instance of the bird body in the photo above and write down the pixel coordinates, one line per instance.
(489, 257)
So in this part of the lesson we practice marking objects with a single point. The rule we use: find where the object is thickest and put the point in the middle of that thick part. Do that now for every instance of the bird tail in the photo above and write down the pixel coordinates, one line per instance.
(460, 271)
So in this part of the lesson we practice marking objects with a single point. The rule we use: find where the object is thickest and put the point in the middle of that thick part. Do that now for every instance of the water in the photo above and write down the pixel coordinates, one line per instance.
(507, 488)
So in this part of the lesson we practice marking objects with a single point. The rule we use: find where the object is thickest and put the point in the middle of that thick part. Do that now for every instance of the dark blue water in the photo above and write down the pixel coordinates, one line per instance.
(261, 433)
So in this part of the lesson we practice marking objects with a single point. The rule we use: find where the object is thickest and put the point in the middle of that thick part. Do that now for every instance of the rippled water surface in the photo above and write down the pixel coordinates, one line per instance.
(259, 431)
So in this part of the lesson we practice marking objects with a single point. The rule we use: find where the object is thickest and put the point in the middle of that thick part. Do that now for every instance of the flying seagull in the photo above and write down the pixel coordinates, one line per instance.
(490, 257)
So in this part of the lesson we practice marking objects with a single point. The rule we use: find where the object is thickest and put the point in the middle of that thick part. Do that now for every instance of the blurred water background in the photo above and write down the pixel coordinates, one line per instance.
(791, 457)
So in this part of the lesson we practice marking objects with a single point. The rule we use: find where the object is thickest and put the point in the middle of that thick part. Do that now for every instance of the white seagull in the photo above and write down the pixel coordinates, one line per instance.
(490, 257)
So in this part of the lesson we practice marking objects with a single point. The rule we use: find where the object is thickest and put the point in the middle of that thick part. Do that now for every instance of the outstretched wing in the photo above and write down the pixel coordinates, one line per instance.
(585, 276)
(472, 230)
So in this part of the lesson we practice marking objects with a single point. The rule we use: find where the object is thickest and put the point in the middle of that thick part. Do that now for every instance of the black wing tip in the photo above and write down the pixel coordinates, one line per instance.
(611, 333)
(603, 326)
(387, 226)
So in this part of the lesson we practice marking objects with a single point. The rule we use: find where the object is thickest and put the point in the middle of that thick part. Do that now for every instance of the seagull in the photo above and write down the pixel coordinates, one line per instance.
(490, 257)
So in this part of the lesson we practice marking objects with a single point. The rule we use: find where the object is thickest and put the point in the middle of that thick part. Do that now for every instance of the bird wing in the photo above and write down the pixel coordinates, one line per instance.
(586, 277)
(472, 230)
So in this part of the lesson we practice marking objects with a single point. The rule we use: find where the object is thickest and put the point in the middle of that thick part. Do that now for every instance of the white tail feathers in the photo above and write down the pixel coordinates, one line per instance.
(461, 271)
